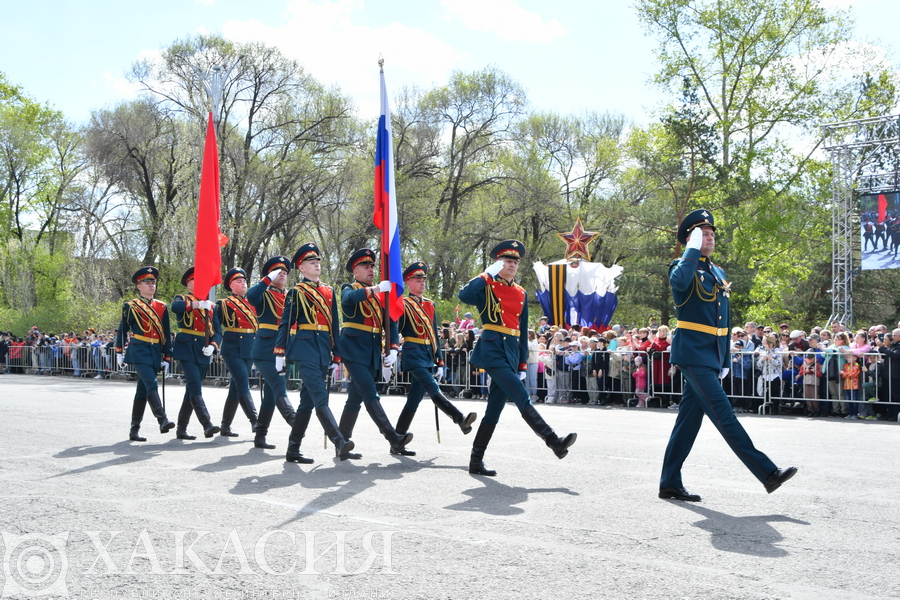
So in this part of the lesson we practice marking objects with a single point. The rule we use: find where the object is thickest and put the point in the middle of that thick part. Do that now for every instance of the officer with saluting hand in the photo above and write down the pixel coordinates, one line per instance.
(267, 299)
(502, 351)
(700, 348)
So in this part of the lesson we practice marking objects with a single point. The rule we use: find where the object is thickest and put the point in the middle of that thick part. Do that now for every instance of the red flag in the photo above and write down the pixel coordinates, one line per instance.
(882, 208)
(207, 256)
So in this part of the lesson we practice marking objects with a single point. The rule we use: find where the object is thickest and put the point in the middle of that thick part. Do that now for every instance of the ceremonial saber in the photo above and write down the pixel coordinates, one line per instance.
(164, 388)
(437, 423)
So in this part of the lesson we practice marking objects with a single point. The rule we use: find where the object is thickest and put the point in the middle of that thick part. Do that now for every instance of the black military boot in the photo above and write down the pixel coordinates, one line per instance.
(228, 412)
(249, 409)
(202, 413)
(298, 430)
(165, 425)
(137, 415)
(403, 423)
(447, 407)
(262, 429)
(560, 446)
(342, 447)
(482, 439)
(184, 417)
(283, 404)
(348, 422)
(396, 440)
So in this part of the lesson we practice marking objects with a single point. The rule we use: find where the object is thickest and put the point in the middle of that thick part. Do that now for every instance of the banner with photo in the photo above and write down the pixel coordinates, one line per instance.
(879, 224)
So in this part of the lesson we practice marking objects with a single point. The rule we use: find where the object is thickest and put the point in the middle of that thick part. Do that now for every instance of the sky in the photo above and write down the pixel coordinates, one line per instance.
(569, 55)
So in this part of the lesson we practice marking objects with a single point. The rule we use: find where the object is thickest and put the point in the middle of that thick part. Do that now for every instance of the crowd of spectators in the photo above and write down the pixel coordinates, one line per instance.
(80, 355)
(826, 372)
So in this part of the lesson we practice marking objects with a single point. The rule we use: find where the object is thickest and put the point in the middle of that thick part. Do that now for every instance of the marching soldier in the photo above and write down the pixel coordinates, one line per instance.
(149, 350)
(700, 348)
(421, 353)
(199, 335)
(308, 336)
(239, 326)
(267, 299)
(502, 351)
(361, 347)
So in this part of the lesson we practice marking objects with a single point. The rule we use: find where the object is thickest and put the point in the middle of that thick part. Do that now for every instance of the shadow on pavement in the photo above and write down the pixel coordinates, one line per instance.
(126, 452)
(753, 536)
(340, 480)
(497, 498)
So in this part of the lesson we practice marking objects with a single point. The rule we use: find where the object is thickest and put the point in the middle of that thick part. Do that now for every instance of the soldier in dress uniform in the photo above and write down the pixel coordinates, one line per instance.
(361, 347)
(199, 335)
(239, 325)
(147, 320)
(421, 353)
(308, 336)
(502, 351)
(267, 299)
(700, 348)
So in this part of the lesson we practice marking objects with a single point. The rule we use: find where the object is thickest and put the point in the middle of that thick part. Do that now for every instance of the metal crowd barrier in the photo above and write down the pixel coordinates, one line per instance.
(745, 385)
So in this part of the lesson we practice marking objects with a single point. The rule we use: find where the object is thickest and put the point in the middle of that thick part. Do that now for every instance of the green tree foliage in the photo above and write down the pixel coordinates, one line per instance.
(749, 84)
(757, 80)
(284, 139)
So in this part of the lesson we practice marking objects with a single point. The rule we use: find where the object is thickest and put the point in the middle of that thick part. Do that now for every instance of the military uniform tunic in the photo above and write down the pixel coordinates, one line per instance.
(308, 335)
(700, 347)
(502, 348)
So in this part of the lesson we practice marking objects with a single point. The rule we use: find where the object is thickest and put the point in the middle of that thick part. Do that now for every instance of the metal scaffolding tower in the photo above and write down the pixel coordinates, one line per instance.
(865, 156)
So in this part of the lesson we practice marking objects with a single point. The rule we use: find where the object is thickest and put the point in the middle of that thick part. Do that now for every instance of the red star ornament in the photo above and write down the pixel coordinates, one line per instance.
(577, 241)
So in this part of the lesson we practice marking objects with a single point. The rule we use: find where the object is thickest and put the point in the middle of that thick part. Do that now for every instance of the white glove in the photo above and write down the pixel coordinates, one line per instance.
(439, 375)
(334, 370)
(208, 350)
(273, 274)
(495, 268)
(120, 361)
(384, 286)
(390, 359)
(696, 239)
(165, 366)
(522, 375)
(203, 304)
(279, 364)
(724, 373)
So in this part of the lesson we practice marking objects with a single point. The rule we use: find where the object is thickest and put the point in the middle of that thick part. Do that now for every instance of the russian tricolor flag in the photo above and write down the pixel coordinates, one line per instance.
(386, 208)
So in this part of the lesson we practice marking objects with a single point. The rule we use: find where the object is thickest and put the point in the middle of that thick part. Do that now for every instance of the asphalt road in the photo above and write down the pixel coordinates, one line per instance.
(87, 514)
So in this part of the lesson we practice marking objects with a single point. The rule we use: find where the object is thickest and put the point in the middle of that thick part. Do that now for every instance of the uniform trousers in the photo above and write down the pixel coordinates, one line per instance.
(362, 385)
(420, 381)
(703, 394)
(193, 376)
(240, 374)
(276, 383)
(505, 384)
(314, 393)
(146, 379)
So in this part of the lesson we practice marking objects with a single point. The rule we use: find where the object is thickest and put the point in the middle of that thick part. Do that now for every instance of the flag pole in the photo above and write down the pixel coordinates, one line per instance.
(208, 214)
(385, 243)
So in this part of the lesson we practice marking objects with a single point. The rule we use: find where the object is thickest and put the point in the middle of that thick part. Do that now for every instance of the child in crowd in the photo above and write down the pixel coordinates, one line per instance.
(640, 381)
(810, 373)
(850, 375)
